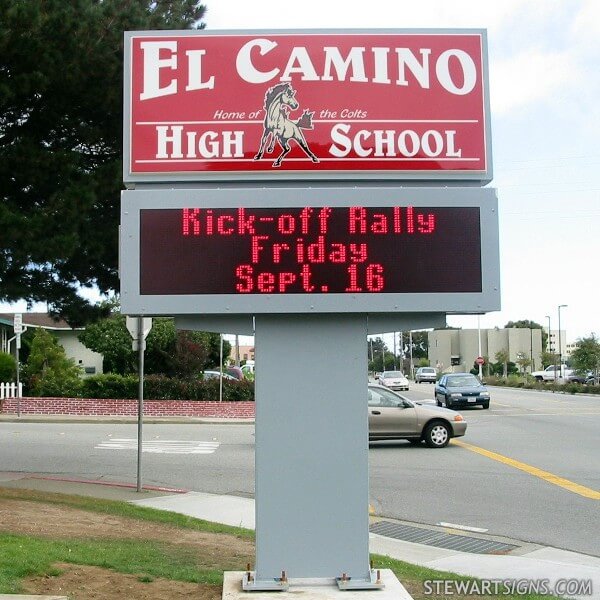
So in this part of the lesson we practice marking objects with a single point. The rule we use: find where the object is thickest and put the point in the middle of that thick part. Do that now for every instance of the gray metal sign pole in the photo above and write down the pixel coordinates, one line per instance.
(312, 483)
(141, 344)
(18, 366)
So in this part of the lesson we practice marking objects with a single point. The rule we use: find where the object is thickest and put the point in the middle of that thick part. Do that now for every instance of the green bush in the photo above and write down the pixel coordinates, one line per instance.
(8, 369)
(110, 385)
(159, 387)
(529, 383)
(48, 371)
(56, 384)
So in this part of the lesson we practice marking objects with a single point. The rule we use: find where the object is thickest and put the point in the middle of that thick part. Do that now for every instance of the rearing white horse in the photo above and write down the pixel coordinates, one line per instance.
(278, 127)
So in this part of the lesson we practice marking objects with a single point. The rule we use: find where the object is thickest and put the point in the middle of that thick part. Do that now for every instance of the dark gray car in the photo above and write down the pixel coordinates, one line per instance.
(461, 389)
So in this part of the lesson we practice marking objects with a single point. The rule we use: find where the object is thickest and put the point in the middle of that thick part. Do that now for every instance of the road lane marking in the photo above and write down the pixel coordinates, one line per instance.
(545, 475)
(569, 413)
(160, 447)
(462, 527)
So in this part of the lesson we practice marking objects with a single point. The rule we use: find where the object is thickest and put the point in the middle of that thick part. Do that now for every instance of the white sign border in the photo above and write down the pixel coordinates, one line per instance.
(130, 178)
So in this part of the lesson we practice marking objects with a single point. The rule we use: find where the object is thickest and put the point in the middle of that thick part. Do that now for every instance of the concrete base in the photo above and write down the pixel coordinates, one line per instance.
(319, 589)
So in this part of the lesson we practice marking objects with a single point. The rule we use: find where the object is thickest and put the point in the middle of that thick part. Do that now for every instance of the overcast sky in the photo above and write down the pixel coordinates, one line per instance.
(544, 63)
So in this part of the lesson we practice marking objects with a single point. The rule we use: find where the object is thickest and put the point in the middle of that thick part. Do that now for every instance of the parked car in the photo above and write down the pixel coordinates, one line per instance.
(235, 372)
(427, 374)
(552, 373)
(248, 369)
(461, 389)
(394, 417)
(577, 377)
(395, 380)
(216, 375)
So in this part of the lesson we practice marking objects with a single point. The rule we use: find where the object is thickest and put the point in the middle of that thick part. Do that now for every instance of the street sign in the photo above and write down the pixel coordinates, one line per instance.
(132, 326)
(18, 323)
(480, 360)
(294, 250)
(271, 105)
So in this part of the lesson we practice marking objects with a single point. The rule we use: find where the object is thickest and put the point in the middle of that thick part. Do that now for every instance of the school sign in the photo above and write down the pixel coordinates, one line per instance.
(210, 106)
(271, 198)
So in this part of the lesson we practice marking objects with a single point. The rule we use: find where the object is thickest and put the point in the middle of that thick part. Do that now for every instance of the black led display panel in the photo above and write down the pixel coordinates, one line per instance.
(310, 250)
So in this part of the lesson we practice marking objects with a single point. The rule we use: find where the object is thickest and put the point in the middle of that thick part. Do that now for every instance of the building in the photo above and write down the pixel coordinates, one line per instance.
(246, 353)
(89, 361)
(456, 349)
(553, 339)
(568, 349)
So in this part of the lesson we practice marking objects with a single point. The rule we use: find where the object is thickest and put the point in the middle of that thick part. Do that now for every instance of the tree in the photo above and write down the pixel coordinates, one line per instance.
(523, 361)
(111, 338)
(168, 351)
(502, 357)
(549, 358)
(586, 357)
(7, 367)
(48, 370)
(61, 118)
(382, 358)
(420, 344)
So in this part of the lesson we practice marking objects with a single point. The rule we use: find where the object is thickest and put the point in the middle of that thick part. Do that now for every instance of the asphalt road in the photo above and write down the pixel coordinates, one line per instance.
(554, 433)
(529, 470)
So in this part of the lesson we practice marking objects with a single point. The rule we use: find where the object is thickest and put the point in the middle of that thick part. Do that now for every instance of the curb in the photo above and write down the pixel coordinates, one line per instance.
(151, 488)
(12, 418)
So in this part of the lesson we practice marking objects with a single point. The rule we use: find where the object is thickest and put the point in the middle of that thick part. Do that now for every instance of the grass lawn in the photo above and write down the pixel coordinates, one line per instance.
(165, 556)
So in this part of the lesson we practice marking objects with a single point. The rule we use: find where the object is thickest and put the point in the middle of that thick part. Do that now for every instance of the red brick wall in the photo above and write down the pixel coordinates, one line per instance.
(128, 408)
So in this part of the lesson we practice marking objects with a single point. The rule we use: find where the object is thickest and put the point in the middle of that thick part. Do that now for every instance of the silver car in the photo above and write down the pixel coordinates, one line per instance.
(394, 417)
(395, 380)
(428, 374)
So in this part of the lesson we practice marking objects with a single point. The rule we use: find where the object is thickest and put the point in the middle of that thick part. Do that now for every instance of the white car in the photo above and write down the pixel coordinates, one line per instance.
(428, 374)
(394, 380)
(217, 375)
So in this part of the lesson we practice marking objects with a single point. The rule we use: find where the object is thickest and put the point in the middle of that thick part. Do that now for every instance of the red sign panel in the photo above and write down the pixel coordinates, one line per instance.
(306, 105)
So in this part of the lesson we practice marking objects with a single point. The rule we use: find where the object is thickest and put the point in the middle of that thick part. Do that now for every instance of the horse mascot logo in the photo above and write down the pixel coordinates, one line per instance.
(278, 127)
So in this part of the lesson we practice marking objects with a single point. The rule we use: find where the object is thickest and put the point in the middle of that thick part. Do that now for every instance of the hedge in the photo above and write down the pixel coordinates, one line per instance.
(159, 387)
(529, 384)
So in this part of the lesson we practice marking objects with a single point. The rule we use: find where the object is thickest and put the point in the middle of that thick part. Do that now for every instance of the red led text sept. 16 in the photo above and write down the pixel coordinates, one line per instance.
(305, 237)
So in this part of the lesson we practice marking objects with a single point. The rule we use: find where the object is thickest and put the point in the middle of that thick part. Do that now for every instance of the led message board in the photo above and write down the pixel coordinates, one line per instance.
(398, 104)
(365, 250)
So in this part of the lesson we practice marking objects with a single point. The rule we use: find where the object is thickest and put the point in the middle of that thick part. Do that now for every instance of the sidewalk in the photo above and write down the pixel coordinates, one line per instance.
(528, 561)
(533, 563)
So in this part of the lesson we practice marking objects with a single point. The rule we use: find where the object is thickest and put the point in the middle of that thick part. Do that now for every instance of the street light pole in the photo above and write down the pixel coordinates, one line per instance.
(410, 345)
(559, 339)
(549, 345)
(532, 365)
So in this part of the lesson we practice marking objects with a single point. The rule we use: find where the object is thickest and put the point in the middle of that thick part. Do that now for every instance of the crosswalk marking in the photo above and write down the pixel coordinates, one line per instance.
(160, 446)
